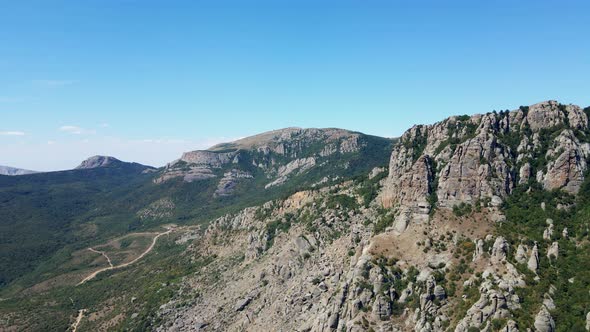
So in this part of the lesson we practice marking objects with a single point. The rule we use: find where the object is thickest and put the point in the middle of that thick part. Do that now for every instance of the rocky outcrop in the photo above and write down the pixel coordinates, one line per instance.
(533, 263)
(548, 232)
(543, 321)
(499, 250)
(567, 163)
(479, 160)
(230, 180)
(297, 166)
(491, 305)
(511, 326)
(193, 173)
(208, 158)
(98, 161)
(553, 251)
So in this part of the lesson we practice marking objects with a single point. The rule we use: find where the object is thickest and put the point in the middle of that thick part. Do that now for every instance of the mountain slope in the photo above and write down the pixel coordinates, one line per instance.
(52, 214)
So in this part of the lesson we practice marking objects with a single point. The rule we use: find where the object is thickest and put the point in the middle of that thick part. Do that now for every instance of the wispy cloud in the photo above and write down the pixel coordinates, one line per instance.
(12, 133)
(76, 130)
(104, 125)
(54, 83)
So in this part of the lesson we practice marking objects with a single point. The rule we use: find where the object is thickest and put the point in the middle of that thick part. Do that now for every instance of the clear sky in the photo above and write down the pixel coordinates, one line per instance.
(146, 80)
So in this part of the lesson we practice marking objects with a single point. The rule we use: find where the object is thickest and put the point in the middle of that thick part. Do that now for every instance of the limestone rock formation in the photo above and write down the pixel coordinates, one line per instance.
(533, 263)
(468, 160)
(499, 250)
(98, 161)
(543, 321)
(553, 251)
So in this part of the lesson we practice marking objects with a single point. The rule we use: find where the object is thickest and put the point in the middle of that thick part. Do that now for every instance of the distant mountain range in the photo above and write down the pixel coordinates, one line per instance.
(6, 170)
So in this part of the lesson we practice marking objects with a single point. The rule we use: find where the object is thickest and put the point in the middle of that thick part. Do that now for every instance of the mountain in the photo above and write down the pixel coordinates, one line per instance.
(5, 170)
(279, 158)
(474, 223)
(99, 161)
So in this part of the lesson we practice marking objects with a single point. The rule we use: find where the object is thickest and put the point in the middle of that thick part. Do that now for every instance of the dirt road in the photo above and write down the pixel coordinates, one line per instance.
(111, 267)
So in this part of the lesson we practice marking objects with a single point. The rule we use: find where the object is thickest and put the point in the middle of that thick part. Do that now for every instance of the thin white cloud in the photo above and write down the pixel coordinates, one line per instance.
(12, 133)
(54, 83)
(75, 130)
(104, 125)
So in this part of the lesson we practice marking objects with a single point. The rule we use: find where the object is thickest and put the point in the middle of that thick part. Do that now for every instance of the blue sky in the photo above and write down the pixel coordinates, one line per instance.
(146, 80)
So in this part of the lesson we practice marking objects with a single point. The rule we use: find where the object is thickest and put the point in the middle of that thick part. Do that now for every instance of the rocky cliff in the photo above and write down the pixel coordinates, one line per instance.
(479, 160)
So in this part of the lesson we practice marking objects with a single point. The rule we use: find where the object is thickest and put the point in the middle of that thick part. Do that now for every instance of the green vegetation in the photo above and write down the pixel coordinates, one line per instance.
(463, 209)
(526, 221)
(384, 220)
(344, 202)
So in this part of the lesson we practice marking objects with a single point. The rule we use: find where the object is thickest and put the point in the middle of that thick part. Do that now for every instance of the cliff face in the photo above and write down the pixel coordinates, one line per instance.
(480, 159)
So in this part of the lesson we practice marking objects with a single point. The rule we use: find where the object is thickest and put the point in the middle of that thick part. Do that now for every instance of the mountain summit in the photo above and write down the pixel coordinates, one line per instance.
(99, 161)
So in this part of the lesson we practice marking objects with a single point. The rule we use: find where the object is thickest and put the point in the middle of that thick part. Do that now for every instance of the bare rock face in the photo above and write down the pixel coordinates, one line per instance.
(491, 305)
(381, 308)
(568, 163)
(230, 180)
(499, 250)
(478, 249)
(553, 251)
(479, 160)
(98, 161)
(414, 190)
(543, 321)
(588, 322)
(510, 327)
(208, 158)
(533, 263)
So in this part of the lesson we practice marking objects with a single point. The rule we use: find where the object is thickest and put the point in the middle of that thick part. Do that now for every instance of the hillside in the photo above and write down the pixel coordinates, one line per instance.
(478, 223)
(49, 215)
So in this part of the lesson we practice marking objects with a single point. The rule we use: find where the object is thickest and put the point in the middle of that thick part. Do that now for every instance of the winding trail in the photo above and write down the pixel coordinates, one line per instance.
(104, 254)
(147, 251)
(81, 313)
